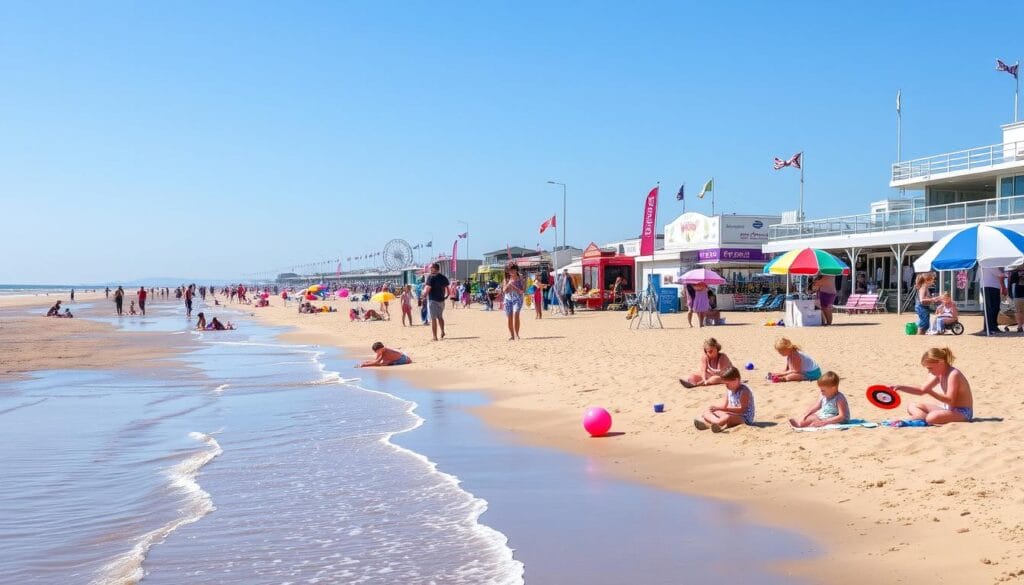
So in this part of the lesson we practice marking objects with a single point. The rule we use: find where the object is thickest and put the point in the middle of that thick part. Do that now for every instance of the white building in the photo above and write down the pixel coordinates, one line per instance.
(983, 184)
(728, 244)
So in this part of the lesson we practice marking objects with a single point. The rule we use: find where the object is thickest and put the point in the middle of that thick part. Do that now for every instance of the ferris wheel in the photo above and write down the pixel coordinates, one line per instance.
(397, 255)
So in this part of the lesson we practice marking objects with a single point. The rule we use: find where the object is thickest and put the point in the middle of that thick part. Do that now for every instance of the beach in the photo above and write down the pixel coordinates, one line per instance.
(162, 471)
(890, 505)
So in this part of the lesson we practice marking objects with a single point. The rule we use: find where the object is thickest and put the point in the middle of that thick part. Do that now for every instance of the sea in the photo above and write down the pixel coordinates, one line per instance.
(247, 460)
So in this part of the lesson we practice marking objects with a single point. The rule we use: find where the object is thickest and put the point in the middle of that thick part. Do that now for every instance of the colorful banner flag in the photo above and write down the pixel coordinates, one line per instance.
(650, 219)
(681, 195)
(453, 264)
(548, 223)
(1011, 69)
(794, 162)
(707, 188)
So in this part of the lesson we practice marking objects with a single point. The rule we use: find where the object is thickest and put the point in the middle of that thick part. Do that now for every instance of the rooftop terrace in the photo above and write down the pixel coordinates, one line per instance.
(919, 217)
(950, 165)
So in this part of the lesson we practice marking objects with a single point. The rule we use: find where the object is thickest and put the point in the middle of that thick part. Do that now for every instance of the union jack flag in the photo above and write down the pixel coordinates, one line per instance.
(1011, 69)
(793, 162)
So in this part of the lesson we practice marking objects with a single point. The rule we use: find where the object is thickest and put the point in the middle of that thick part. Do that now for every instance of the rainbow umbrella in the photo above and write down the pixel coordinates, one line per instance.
(807, 261)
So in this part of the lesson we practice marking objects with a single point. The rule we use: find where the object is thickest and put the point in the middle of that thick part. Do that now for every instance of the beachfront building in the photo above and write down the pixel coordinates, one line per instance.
(729, 244)
(983, 184)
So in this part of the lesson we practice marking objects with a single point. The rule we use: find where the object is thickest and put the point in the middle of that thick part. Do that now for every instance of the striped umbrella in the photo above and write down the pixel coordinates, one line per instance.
(807, 261)
(984, 245)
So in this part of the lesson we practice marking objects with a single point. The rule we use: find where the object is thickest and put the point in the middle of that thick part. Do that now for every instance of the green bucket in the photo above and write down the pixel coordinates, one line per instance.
(910, 328)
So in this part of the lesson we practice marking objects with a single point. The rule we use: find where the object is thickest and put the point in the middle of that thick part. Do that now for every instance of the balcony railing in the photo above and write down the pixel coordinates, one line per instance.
(903, 219)
(961, 160)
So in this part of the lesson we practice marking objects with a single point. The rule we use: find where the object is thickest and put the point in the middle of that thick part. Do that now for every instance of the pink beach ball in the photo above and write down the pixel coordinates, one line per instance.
(597, 421)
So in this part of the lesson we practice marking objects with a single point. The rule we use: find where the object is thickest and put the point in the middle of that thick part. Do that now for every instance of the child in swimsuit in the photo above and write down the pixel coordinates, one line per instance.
(799, 365)
(386, 357)
(830, 408)
(406, 299)
(736, 409)
(712, 364)
(954, 393)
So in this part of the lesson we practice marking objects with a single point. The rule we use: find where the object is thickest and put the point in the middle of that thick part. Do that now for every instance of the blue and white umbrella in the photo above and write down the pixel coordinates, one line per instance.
(982, 245)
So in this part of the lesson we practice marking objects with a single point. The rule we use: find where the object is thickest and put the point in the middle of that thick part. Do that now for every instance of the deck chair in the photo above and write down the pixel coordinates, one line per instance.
(755, 306)
(851, 301)
(775, 304)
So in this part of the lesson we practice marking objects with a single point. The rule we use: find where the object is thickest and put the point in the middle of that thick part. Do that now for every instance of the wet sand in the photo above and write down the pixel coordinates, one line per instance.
(940, 504)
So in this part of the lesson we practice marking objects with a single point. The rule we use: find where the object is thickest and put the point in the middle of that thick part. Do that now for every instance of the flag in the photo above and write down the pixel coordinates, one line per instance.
(454, 261)
(430, 244)
(463, 235)
(681, 195)
(548, 223)
(1011, 69)
(792, 162)
(338, 272)
(899, 95)
(650, 219)
(707, 188)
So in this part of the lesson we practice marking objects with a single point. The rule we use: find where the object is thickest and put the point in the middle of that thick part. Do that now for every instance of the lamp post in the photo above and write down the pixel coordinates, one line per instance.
(466, 223)
(563, 208)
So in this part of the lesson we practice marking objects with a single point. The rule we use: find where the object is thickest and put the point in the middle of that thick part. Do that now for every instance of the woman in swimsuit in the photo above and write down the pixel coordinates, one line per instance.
(954, 394)
(712, 364)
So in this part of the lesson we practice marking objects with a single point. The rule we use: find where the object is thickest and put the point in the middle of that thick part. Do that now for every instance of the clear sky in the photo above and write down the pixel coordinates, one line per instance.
(216, 139)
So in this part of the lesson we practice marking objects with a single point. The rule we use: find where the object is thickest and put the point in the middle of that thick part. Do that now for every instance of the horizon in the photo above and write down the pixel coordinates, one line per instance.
(232, 140)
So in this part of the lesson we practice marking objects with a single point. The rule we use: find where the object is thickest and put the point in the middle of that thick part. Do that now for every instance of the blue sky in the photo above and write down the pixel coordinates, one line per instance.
(211, 140)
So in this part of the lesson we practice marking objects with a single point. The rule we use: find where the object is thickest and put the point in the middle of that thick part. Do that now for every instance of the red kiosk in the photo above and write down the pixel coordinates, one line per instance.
(600, 269)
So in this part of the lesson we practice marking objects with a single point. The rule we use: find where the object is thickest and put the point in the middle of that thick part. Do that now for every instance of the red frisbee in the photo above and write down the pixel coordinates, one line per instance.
(883, 396)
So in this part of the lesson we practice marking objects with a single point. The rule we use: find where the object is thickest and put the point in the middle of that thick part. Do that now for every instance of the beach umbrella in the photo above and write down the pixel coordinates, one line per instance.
(979, 245)
(314, 288)
(982, 245)
(807, 261)
(342, 293)
(382, 297)
(701, 275)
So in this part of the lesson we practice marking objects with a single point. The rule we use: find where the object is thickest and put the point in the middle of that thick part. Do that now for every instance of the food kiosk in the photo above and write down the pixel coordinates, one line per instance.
(600, 269)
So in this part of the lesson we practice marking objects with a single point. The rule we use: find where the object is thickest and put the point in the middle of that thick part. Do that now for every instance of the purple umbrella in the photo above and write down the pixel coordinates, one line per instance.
(701, 275)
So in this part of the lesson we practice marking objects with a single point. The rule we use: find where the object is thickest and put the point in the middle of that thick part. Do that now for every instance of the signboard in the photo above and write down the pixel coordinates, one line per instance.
(743, 229)
(692, 230)
(731, 255)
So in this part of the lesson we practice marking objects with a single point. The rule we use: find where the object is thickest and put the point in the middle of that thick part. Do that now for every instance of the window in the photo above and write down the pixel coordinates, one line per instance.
(1006, 187)
(1018, 185)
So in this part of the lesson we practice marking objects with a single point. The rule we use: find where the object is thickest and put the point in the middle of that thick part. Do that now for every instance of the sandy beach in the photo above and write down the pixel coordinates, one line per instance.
(39, 343)
(907, 505)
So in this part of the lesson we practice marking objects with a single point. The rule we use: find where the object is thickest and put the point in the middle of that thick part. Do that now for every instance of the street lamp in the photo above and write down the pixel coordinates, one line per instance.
(563, 208)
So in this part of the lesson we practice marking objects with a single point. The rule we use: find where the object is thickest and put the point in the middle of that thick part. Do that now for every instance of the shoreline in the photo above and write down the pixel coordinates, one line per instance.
(854, 513)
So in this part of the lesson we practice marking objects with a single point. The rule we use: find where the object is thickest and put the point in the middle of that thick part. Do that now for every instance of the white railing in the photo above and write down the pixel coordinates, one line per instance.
(936, 215)
(961, 160)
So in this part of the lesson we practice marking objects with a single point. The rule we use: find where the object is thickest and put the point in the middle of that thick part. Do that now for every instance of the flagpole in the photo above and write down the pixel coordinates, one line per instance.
(802, 165)
(714, 188)
(1016, 92)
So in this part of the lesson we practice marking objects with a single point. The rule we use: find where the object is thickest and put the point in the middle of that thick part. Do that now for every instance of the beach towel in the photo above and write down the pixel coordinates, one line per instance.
(854, 422)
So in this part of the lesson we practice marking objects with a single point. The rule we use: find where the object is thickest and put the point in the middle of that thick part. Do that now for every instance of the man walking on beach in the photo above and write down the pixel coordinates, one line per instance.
(188, 302)
(142, 300)
(434, 293)
(994, 289)
(119, 300)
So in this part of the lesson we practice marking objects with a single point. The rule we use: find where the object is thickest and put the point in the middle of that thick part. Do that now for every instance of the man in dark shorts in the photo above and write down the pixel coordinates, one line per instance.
(434, 292)
(119, 300)
(188, 302)
(142, 299)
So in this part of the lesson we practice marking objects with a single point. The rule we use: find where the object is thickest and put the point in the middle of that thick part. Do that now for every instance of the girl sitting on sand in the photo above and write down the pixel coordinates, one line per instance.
(830, 408)
(736, 409)
(954, 394)
(799, 365)
(712, 364)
